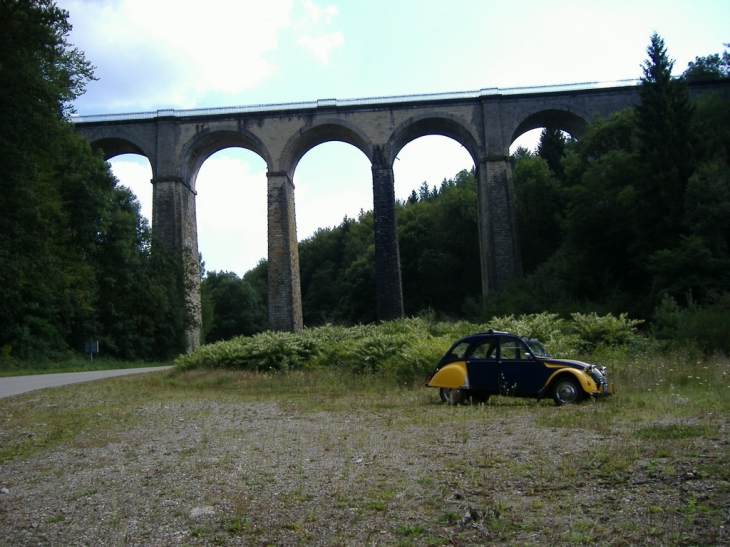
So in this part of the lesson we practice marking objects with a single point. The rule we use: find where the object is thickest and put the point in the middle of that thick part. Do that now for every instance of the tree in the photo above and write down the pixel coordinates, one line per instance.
(45, 291)
(667, 150)
(439, 248)
(711, 67)
(551, 148)
(539, 202)
(601, 171)
(77, 262)
(236, 307)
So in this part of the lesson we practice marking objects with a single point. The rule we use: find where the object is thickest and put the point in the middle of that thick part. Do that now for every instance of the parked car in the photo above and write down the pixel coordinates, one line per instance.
(500, 363)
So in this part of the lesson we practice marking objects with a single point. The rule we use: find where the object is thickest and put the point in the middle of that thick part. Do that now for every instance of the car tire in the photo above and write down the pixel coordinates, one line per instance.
(451, 396)
(567, 391)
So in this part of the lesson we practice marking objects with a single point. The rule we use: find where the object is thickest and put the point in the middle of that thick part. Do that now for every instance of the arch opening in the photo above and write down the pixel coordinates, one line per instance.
(231, 210)
(439, 241)
(566, 121)
(200, 148)
(135, 172)
(113, 147)
(429, 159)
(433, 126)
(332, 180)
(538, 180)
(312, 137)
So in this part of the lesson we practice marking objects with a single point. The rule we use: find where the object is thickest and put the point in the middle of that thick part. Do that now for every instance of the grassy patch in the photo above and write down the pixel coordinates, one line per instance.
(73, 364)
(331, 457)
(674, 431)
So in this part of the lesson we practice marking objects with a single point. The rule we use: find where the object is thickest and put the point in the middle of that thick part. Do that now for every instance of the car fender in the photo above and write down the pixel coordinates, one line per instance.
(586, 382)
(451, 376)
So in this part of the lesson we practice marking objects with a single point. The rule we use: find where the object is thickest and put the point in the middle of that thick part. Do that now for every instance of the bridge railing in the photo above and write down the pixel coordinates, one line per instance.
(329, 103)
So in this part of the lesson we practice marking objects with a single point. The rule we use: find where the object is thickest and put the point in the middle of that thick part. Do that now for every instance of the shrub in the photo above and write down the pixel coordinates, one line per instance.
(265, 351)
(554, 332)
(707, 328)
(594, 330)
(405, 348)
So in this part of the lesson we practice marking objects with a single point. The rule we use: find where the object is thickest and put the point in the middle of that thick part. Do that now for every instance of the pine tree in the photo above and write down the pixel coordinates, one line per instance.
(666, 150)
(551, 148)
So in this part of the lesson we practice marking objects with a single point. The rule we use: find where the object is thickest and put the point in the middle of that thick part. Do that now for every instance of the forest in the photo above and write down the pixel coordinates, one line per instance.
(632, 218)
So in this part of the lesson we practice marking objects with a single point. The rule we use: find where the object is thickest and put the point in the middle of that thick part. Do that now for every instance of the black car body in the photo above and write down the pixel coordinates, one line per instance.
(501, 363)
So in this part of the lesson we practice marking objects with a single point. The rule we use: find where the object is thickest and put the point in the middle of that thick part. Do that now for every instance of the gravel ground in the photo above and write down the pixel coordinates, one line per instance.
(257, 473)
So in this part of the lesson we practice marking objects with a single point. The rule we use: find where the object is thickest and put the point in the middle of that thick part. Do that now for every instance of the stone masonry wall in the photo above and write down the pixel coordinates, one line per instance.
(285, 296)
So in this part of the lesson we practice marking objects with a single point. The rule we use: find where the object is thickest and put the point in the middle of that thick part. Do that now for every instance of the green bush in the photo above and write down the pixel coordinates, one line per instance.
(552, 331)
(405, 348)
(265, 351)
(594, 330)
(705, 327)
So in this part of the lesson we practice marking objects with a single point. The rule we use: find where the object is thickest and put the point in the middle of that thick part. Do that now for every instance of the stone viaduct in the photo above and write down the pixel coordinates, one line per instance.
(485, 122)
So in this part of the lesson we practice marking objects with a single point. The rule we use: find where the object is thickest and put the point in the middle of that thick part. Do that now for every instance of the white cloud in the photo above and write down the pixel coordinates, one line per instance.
(315, 13)
(314, 38)
(322, 45)
(171, 52)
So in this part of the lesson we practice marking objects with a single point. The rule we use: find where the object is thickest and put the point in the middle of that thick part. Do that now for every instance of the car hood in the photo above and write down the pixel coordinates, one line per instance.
(580, 365)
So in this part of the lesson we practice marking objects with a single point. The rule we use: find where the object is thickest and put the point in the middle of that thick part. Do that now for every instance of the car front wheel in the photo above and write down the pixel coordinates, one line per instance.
(452, 396)
(566, 392)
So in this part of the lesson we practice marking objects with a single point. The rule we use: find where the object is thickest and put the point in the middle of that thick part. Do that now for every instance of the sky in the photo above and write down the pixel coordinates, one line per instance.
(181, 54)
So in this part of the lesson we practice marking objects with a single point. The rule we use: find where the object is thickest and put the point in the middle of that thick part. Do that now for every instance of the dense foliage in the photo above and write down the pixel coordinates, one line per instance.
(230, 307)
(76, 260)
(647, 197)
(406, 349)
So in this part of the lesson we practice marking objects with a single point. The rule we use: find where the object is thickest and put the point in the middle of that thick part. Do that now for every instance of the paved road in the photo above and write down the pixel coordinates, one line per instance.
(15, 385)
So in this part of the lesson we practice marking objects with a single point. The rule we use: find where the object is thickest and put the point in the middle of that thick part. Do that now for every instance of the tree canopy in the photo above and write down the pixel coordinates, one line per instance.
(76, 260)
(710, 67)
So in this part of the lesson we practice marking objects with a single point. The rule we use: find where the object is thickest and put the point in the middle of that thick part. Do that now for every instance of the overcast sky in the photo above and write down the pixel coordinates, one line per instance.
(155, 54)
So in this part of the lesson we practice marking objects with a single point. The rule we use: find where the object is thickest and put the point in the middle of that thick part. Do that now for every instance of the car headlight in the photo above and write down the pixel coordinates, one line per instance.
(594, 372)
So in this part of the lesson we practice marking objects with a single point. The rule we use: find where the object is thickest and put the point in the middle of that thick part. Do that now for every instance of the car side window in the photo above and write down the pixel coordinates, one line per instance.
(459, 351)
(486, 349)
(512, 348)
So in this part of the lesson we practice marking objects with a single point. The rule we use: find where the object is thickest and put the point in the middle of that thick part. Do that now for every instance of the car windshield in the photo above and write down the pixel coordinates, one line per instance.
(537, 349)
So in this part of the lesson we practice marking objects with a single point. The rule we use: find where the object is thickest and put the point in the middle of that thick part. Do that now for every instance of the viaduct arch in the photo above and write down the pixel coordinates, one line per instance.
(485, 122)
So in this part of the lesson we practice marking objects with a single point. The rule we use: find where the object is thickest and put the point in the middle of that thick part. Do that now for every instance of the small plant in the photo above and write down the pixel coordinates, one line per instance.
(410, 530)
(674, 431)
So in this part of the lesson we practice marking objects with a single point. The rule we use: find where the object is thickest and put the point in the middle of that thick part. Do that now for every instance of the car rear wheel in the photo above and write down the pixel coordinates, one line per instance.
(452, 396)
(566, 392)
